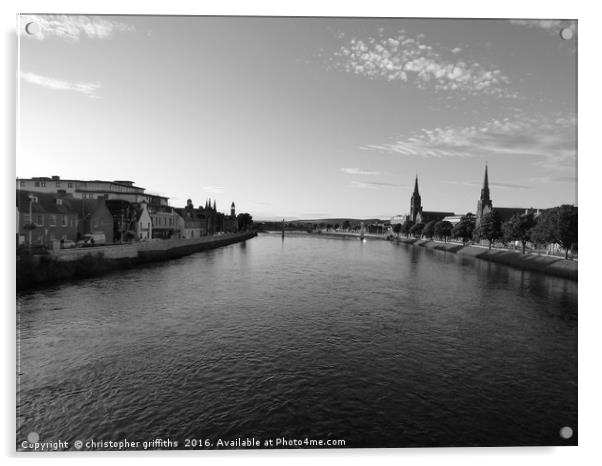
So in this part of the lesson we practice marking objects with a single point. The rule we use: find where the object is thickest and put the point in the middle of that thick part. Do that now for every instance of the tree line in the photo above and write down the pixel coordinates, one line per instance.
(553, 226)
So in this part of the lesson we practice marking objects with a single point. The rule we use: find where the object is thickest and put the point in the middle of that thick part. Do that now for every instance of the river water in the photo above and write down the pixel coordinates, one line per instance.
(370, 342)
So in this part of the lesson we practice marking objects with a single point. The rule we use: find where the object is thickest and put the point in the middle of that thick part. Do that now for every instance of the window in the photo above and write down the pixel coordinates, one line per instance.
(26, 219)
(58, 184)
(43, 184)
(40, 220)
(64, 221)
(70, 185)
(23, 183)
(37, 184)
(52, 220)
(59, 202)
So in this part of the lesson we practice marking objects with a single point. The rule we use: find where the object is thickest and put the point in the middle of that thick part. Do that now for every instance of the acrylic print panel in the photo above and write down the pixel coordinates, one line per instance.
(269, 232)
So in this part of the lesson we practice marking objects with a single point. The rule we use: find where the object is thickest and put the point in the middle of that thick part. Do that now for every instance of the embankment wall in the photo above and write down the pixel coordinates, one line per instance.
(65, 264)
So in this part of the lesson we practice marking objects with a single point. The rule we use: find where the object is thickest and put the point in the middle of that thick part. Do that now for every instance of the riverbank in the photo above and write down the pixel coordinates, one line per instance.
(66, 264)
(550, 265)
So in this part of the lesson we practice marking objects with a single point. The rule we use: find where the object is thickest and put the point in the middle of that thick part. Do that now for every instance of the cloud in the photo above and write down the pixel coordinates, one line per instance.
(375, 184)
(73, 27)
(551, 25)
(359, 171)
(549, 142)
(88, 89)
(408, 60)
(554, 179)
(213, 189)
(492, 184)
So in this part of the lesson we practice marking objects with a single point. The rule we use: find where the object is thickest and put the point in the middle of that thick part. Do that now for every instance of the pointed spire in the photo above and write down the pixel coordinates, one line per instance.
(485, 190)
(416, 185)
(214, 205)
(486, 181)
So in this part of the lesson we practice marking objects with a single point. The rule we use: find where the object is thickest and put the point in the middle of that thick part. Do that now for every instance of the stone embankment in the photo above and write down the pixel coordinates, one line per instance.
(65, 264)
(551, 265)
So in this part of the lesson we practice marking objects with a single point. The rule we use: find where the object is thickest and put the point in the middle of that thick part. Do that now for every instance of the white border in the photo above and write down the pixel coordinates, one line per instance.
(590, 388)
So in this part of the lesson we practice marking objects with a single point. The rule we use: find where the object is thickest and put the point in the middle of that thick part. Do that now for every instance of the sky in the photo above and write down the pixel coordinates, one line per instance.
(303, 117)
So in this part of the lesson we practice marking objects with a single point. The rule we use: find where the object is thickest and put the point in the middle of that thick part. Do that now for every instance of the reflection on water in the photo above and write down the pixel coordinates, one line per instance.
(375, 343)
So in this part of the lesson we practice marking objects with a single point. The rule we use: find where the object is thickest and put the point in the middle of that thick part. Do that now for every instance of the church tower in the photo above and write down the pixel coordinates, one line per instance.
(484, 205)
(416, 204)
(232, 210)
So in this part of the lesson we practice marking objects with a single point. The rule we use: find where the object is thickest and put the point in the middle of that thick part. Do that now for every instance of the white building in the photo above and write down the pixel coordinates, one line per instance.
(398, 219)
(91, 189)
(144, 224)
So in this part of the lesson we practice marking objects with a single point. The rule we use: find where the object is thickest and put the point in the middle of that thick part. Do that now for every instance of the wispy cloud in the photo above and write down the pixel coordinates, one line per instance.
(547, 141)
(554, 179)
(409, 60)
(213, 189)
(73, 27)
(551, 25)
(359, 171)
(88, 89)
(374, 184)
(492, 184)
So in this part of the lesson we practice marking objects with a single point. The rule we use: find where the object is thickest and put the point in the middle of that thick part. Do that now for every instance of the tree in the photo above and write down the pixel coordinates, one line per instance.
(464, 228)
(346, 225)
(429, 229)
(519, 228)
(490, 227)
(416, 230)
(558, 225)
(566, 229)
(397, 228)
(245, 221)
(336, 226)
(406, 227)
(443, 229)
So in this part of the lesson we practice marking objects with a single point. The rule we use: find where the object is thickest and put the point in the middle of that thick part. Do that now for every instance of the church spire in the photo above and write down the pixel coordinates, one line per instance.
(415, 203)
(485, 190)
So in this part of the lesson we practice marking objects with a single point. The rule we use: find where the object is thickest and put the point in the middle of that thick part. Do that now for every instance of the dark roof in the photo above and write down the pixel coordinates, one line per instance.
(47, 203)
(433, 212)
(506, 213)
(429, 215)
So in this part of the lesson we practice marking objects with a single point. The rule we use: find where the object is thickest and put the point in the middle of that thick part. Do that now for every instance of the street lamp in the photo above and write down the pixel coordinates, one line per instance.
(31, 200)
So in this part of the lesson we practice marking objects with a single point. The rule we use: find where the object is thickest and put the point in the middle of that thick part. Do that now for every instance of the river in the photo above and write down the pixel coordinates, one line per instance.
(371, 342)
